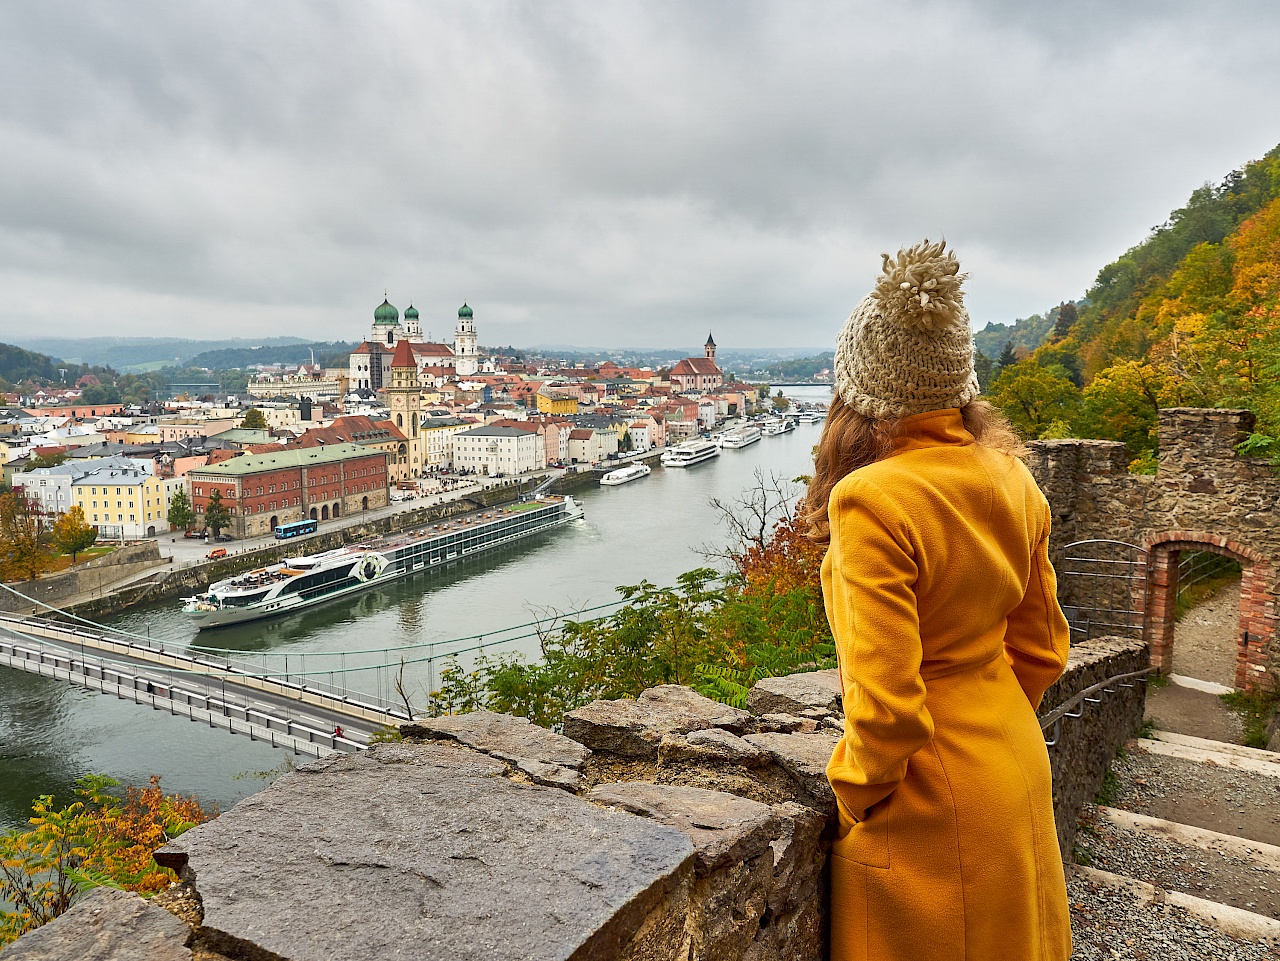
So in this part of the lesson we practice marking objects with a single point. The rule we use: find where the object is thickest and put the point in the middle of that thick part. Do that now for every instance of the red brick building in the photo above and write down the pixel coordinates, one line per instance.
(264, 490)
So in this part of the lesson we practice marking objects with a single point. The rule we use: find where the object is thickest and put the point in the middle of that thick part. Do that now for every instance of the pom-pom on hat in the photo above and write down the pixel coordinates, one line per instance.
(908, 348)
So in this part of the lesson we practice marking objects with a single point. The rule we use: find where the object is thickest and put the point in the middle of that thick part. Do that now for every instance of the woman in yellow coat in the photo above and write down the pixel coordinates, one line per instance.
(943, 603)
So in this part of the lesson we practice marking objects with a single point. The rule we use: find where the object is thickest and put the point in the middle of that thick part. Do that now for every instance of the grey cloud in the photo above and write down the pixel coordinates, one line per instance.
(603, 173)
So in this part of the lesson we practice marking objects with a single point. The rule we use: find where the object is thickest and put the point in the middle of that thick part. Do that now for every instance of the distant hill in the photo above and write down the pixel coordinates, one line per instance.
(17, 365)
(1029, 332)
(327, 353)
(140, 353)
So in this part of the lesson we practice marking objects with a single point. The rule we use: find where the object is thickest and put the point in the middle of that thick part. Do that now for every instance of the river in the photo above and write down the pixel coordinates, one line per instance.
(649, 529)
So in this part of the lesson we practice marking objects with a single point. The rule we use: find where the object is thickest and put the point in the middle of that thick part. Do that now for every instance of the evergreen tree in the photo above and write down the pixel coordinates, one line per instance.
(1067, 317)
(216, 515)
(984, 368)
(180, 513)
(1008, 357)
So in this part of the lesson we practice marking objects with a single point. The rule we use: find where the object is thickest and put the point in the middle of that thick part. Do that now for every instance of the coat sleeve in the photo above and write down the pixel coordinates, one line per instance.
(1037, 636)
(877, 632)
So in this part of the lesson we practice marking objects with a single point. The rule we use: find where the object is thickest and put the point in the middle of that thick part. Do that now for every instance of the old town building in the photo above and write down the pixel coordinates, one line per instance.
(264, 490)
(698, 373)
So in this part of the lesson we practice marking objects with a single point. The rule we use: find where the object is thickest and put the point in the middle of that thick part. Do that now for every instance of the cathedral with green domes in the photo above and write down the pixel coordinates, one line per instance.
(370, 363)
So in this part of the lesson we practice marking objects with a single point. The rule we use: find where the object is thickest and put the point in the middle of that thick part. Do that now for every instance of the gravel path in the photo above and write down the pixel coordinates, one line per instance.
(1177, 867)
(1204, 641)
(1202, 795)
(1109, 925)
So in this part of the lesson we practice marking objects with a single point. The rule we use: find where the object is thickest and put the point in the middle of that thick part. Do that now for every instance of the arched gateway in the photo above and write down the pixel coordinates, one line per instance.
(1118, 537)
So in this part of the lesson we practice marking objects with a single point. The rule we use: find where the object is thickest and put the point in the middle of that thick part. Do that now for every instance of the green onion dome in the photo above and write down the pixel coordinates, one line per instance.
(386, 314)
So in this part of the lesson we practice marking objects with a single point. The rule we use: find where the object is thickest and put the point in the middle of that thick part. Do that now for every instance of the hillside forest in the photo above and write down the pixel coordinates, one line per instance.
(1187, 318)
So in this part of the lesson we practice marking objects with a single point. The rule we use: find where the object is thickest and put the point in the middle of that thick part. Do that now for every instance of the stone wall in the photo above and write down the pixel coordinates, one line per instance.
(1203, 497)
(95, 575)
(662, 828)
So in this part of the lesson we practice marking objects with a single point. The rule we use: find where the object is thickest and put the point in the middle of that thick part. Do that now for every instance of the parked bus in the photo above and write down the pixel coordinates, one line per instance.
(295, 529)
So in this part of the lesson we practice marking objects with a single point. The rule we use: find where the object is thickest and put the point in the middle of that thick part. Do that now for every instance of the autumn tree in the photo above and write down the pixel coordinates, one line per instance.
(180, 515)
(216, 514)
(24, 548)
(254, 419)
(72, 533)
(98, 839)
(1033, 397)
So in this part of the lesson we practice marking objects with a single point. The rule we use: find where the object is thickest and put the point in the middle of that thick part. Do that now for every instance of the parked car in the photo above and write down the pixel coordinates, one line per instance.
(224, 537)
(193, 533)
(216, 553)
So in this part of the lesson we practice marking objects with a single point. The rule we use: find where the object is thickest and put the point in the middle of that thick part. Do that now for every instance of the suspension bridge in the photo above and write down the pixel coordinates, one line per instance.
(308, 702)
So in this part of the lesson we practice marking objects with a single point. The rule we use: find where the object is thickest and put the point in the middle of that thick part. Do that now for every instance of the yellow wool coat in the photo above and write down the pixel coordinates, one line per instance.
(944, 607)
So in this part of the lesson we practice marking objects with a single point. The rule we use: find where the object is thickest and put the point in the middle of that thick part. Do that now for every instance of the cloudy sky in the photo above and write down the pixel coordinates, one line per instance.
(596, 173)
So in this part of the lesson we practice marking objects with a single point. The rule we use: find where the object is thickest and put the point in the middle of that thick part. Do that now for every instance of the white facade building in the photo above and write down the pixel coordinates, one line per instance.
(498, 450)
(50, 487)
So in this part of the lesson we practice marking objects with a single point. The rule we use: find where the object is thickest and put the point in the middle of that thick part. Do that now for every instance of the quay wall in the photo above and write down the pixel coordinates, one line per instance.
(96, 574)
(189, 580)
(662, 828)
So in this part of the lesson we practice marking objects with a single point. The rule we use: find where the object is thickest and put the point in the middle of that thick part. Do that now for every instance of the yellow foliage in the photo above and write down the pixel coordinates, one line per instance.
(99, 840)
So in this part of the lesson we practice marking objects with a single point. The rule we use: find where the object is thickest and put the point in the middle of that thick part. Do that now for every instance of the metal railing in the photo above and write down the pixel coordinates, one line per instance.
(1076, 706)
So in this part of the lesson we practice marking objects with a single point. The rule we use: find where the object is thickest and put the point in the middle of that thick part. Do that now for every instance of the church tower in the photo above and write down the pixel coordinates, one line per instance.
(466, 360)
(404, 397)
(709, 348)
(412, 329)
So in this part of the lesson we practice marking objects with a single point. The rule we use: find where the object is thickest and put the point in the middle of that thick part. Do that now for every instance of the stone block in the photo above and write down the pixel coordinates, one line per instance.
(636, 728)
(799, 854)
(548, 758)
(710, 746)
(732, 837)
(725, 829)
(106, 925)
(429, 851)
(796, 694)
(804, 757)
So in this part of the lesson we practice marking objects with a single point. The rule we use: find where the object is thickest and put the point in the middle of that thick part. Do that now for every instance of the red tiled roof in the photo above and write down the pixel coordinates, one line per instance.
(695, 365)
(403, 357)
(581, 433)
(432, 350)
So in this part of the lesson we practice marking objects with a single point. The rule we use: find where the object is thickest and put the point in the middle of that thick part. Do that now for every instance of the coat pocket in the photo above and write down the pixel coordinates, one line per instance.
(867, 841)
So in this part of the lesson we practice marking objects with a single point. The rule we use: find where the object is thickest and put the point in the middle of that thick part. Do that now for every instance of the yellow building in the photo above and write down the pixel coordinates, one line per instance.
(437, 438)
(124, 503)
(553, 401)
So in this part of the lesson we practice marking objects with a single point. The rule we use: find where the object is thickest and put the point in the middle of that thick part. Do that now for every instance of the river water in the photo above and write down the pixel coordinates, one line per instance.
(649, 529)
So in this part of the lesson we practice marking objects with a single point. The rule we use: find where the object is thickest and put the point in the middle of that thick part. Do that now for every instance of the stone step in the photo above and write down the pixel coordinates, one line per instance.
(1196, 684)
(1198, 753)
(1264, 856)
(1232, 921)
(1207, 744)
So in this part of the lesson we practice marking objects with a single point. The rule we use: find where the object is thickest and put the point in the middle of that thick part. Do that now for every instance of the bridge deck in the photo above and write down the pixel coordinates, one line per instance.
(283, 712)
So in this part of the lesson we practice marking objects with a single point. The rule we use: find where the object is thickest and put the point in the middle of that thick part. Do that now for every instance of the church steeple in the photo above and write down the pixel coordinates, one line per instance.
(710, 347)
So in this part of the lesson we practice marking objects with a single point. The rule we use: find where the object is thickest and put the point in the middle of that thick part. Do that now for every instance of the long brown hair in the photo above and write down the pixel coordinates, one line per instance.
(851, 440)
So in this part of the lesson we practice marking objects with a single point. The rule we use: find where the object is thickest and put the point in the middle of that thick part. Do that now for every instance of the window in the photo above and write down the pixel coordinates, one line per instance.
(95, 518)
(118, 490)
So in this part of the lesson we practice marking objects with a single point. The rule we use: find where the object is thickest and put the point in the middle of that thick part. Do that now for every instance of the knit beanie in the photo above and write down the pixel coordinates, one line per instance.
(908, 348)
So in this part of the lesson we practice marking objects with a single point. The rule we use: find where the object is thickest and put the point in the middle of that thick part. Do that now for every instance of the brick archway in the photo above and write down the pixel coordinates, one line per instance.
(1257, 625)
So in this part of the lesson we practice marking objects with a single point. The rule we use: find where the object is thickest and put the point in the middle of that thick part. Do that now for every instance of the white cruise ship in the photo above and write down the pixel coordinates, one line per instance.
(778, 425)
(812, 415)
(690, 453)
(739, 437)
(302, 582)
(625, 474)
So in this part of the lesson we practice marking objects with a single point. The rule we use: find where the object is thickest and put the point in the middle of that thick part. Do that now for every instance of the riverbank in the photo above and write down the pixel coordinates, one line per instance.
(189, 580)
